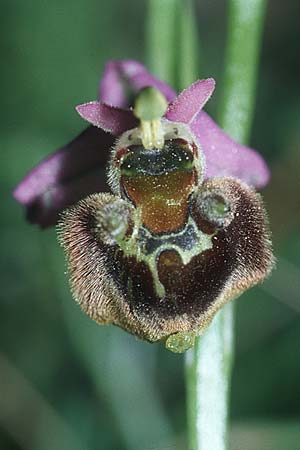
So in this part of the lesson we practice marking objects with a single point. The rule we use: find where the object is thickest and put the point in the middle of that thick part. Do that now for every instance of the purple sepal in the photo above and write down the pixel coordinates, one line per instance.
(112, 89)
(189, 103)
(46, 208)
(111, 119)
(128, 75)
(226, 157)
(65, 177)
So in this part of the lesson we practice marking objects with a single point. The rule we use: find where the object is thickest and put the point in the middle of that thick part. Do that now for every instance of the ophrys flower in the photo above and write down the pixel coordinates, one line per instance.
(178, 237)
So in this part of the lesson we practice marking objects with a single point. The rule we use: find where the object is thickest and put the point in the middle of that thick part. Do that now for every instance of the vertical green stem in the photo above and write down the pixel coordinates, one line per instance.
(161, 38)
(245, 24)
(187, 45)
(172, 42)
(208, 368)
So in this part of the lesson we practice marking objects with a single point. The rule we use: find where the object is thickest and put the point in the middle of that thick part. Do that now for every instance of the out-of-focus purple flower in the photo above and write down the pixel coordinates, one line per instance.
(78, 169)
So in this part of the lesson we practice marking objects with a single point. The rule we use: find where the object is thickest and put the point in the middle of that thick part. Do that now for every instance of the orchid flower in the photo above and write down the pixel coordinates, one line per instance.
(182, 233)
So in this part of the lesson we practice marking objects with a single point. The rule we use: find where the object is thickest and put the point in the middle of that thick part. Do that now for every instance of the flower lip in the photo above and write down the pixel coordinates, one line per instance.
(236, 258)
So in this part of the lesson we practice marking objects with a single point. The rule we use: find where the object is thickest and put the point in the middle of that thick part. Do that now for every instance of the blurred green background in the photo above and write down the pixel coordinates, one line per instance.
(66, 383)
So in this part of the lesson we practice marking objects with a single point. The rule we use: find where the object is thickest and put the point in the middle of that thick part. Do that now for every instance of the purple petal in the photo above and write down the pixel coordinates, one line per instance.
(122, 76)
(46, 208)
(189, 103)
(66, 176)
(225, 157)
(112, 90)
(110, 119)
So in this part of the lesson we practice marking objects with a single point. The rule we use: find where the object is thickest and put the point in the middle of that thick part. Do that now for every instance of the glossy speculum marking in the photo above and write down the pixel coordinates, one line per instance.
(162, 254)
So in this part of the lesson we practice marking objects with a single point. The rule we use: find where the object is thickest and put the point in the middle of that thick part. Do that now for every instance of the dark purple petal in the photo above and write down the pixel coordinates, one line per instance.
(185, 107)
(226, 157)
(46, 208)
(123, 77)
(110, 119)
(66, 176)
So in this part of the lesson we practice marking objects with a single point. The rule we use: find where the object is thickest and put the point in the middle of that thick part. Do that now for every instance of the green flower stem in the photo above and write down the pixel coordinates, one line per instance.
(208, 368)
(172, 41)
(245, 27)
(187, 57)
(161, 38)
